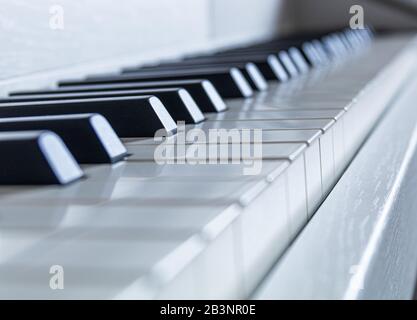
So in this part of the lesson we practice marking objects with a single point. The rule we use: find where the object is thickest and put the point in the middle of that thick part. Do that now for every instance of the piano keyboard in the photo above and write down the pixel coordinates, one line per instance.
(123, 226)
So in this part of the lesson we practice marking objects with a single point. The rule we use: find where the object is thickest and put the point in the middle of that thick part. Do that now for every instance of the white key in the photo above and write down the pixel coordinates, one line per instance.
(321, 124)
(88, 257)
(265, 231)
(217, 153)
(327, 160)
(206, 172)
(268, 136)
(137, 191)
(297, 195)
(278, 115)
(312, 164)
(314, 188)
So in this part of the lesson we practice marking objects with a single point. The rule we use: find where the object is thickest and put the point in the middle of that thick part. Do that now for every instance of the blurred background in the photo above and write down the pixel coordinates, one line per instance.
(94, 30)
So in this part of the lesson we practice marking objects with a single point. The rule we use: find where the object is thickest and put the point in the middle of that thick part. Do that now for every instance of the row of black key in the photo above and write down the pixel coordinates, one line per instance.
(82, 120)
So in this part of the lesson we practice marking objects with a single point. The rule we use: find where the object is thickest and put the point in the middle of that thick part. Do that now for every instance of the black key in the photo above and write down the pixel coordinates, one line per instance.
(249, 70)
(129, 116)
(343, 37)
(313, 56)
(321, 50)
(316, 50)
(280, 43)
(275, 46)
(299, 59)
(273, 51)
(89, 137)
(331, 47)
(36, 157)
(229, 82)
(263, 51)
(281, 59)
(268, 64)
(202, 91)
(180, 105)
(288, 63)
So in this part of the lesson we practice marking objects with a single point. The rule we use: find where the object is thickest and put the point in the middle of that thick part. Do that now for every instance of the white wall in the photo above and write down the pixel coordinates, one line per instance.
(93, 30)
